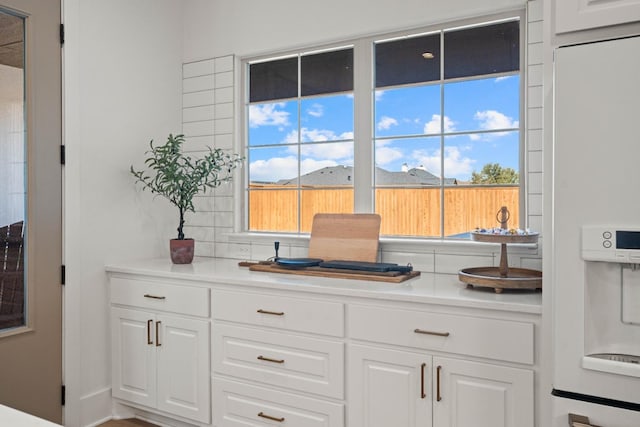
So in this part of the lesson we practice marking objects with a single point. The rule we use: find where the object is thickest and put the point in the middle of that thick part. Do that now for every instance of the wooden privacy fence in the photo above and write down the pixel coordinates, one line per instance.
(404, 211)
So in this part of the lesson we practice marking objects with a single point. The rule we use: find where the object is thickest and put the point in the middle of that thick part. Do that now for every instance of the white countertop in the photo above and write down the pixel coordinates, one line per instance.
(429, 288)
(13, 418)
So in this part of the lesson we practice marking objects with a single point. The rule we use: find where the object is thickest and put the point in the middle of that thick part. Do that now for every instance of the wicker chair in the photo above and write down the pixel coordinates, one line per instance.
(11, 276)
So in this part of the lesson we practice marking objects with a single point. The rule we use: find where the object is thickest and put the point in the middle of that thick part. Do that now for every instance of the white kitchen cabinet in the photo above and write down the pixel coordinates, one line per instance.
(481, 395)
(160, 360)
(265, 343)
(401, 387)
(388, 388)
(392, 387)
(576, 15)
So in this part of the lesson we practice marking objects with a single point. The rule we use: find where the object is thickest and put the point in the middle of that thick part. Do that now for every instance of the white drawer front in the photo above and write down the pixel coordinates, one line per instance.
(241, 405)
(294, 314)
(475, 336)
(307, 364)
(187, 300)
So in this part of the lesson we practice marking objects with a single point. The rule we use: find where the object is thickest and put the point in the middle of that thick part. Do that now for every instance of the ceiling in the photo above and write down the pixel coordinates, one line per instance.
(11, 40)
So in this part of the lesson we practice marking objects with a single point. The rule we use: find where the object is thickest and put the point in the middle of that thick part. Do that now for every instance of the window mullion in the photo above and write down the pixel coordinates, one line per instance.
(363, 127)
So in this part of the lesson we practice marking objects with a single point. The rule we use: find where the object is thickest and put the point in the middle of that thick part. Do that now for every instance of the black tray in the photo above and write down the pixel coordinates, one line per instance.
(298, 262)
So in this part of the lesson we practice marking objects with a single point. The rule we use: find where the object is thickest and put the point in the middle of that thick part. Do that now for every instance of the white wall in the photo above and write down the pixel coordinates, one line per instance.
(122, 77)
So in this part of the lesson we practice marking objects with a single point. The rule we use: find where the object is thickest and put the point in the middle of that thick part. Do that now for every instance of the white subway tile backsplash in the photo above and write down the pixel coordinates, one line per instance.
(195, 84)
(531, 263)
(420, 261)
(224, 63)
(452, 263)
(535, 224)
(534, 117)
(535, 204)
(204, 249)
(224, 94)
(534, 139)
(534, 10)
(223, 126)
(196, 99)
(534, 97)
(205, 203)
(534, 161)
(224, 111)
(534, 53)
(198, 143)
(534, 183)
(198, 128)
(223, 219)
(224, 79)
(223, 190)
(224, 141)
(197, 68)
(197, 114)
(223, 204)
(200, 219)
(535, 75)
(534, 32)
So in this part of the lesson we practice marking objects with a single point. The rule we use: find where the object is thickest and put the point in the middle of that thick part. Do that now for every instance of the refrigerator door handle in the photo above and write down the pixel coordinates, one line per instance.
(579, 421)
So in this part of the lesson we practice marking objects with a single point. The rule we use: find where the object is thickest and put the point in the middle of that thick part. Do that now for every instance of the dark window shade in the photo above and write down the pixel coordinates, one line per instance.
(273, 80)
(401, 61)
(482, 50)
(327, 72)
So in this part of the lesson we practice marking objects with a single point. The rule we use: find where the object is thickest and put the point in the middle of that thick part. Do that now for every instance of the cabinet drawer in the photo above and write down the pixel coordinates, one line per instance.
(294, 314)
(240, 404)
(301, 363)
(506, 340)
(187, 300)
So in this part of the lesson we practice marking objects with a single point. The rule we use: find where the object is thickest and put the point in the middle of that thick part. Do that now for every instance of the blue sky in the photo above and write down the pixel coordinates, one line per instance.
(407, 123)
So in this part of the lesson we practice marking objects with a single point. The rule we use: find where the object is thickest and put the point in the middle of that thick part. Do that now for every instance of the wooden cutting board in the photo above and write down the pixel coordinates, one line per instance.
(350, 237)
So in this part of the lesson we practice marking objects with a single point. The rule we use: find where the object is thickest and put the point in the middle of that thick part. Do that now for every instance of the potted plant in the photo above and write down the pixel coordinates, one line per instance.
(178, 177)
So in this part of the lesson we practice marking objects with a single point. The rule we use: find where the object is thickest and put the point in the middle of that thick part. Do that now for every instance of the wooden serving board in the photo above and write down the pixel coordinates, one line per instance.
(352, 237)
(391, 277)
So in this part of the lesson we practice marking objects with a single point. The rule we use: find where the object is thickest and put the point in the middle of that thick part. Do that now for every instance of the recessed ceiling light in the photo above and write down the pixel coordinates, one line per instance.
(428, 55)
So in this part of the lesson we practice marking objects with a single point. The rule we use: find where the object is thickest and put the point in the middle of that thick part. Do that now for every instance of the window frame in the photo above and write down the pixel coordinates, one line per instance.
(364, 119)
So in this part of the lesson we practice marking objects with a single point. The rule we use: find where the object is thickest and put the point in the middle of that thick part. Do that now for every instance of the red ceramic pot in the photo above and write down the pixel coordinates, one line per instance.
(181, 250)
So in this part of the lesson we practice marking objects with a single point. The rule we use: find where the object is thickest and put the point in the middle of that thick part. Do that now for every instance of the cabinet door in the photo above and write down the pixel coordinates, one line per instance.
(388, 388)
(481, 395)
(133, 356)
(184, 376)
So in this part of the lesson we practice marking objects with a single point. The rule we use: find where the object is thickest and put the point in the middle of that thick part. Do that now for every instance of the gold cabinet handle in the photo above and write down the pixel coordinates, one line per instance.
(440, 334)
(268, 359)
(438, 396)
(149, 324)
(422, 369)
(274, 313)
(269, 417)
(154, 296)
(157, 333)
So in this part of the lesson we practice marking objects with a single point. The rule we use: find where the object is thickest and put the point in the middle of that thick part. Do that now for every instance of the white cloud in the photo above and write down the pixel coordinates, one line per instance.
(433, 126)
(386, 155)
(273, 169)
(337, 151)
(455, 164)
(315, 135)
(503, 78)
(491, 120)
(277, 168)
(316, 110)
(386, 123)
(268, 115)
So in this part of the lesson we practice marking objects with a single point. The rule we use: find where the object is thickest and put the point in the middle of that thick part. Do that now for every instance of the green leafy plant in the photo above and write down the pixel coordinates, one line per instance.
(178, 177)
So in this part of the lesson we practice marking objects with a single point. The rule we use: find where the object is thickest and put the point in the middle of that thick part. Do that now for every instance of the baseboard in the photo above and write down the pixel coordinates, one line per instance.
(95, 408)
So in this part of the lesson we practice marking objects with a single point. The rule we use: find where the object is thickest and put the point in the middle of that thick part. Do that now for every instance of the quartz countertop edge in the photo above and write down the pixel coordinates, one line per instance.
(431, 288)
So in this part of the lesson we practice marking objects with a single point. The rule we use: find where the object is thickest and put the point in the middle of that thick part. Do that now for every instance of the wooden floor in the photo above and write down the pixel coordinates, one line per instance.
(127, 423)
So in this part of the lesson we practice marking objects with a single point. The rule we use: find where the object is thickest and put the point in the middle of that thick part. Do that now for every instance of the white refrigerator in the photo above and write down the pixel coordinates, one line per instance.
(595, 271)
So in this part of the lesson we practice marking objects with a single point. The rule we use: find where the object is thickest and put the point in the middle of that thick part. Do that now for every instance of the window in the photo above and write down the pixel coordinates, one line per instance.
(442, 142)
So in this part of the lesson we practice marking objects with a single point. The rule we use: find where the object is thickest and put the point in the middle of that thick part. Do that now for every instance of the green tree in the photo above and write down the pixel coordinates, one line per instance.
(493, 173)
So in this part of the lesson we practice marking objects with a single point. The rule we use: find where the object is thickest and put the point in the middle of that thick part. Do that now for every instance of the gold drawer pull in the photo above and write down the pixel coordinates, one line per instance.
(267, 359)
(440, 334)
(269, 417)
(275, 313)
(153, 296)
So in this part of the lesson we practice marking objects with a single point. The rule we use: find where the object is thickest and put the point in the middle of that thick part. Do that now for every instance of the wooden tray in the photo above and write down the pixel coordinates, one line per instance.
(391, 277)
(490, 277)
(504, 238)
